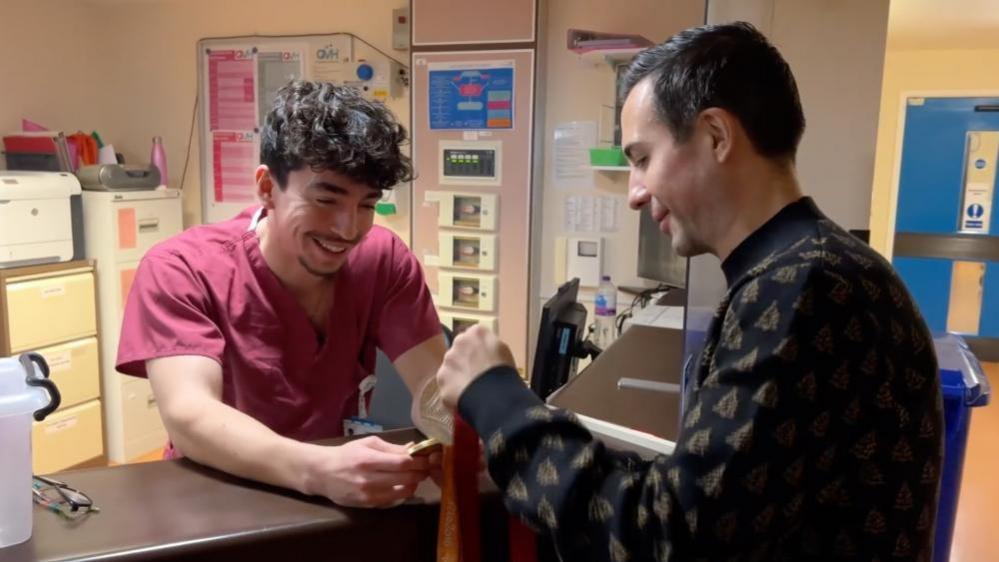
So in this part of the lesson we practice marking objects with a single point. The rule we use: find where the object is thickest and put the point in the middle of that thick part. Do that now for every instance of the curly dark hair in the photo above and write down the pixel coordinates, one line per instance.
(731, 66)
(329, 127)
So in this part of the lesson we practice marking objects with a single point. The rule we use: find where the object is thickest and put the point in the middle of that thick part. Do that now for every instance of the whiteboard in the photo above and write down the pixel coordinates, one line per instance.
(237, 80)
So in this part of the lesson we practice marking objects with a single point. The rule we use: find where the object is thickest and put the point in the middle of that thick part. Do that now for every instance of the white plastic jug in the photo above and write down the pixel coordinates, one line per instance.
(25, 392)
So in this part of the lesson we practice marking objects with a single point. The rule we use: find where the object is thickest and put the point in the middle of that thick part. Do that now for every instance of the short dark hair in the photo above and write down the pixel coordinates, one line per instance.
(733, 67)
(329, 127)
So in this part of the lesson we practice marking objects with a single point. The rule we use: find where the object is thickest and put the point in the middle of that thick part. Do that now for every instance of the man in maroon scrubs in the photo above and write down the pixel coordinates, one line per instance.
(256, 333)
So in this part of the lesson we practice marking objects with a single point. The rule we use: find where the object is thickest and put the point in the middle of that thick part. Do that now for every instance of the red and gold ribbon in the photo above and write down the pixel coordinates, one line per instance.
(458, 538)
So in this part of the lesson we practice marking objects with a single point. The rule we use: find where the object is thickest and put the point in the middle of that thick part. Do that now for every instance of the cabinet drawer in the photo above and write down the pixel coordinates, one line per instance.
(142, 445)
(50, 310)
(139, 225)
(67, 437)
(75, 370)
(140, 416)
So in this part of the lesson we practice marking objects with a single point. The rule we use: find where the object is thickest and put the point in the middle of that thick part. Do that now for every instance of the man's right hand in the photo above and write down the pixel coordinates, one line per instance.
(367, 472)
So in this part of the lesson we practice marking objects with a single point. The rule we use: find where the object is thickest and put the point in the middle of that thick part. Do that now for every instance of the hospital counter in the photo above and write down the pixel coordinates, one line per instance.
(177, 509)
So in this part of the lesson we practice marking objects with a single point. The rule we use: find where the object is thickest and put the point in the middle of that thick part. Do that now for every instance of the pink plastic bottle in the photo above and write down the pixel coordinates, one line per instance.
(158, 158)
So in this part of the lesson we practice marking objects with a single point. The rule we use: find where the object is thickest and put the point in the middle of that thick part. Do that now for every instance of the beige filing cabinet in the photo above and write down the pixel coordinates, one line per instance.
(120, 227)
(51, 309)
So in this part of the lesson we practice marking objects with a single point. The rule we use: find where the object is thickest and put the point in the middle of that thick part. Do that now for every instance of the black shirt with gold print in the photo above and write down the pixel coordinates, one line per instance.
(814, 429)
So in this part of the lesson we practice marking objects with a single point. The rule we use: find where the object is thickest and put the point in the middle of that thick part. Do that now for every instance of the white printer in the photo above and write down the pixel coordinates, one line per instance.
(41, 218)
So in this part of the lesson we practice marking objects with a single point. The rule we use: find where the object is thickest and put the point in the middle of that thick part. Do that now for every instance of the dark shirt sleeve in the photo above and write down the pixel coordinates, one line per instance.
(766, 433)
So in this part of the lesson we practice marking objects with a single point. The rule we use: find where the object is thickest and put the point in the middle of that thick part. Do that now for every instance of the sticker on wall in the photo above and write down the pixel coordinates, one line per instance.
(982, 150)
(477, 95)
(127, 228)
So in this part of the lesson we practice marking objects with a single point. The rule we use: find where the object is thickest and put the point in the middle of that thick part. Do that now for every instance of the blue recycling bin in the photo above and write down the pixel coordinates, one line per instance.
(964, 386)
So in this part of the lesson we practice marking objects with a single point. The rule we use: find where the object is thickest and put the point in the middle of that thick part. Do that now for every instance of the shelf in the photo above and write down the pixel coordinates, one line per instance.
(611, 56)
(611, 168)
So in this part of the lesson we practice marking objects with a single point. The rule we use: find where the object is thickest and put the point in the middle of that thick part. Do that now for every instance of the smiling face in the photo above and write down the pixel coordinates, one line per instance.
(318, 218)
(672, 178)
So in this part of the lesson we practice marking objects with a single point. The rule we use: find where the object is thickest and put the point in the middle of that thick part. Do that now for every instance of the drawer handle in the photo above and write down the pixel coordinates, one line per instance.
(149, 225)
(150, 401)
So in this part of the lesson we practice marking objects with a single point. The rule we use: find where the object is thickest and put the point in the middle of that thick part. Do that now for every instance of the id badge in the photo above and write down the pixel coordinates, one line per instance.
(360, 426)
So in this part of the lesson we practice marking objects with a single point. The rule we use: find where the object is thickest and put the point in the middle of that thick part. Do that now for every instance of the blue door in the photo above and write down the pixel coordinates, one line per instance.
(946, 246)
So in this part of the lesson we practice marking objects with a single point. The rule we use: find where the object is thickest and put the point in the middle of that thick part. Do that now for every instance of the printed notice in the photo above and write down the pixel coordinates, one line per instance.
(471, 95)
(585, 213)
(327, 62)
(232, 102)
(235, 157)
(608, 213)
(274, 70)
(573, 142)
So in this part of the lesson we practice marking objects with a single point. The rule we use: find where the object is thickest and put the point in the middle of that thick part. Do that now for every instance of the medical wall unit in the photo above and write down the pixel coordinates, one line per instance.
(473, 98)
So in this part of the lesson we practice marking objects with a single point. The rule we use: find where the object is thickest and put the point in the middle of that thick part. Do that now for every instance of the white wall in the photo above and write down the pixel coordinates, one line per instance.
(47, 65)
(836, 52)
(128, 68)
(151, 48)
(577, 90)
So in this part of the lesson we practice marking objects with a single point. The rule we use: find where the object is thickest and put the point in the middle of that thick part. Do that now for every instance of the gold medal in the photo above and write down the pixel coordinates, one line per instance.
(425, 447)
(431, 417)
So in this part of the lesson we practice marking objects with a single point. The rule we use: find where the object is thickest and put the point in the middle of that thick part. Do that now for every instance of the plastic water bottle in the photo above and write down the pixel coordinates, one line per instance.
(605, 307)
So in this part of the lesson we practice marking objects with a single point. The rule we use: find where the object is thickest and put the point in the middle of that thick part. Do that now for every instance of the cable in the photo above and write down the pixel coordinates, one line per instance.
(190, 140)
(641, 300)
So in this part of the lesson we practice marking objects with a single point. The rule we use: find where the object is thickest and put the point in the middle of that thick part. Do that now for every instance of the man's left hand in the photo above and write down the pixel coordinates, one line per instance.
(473, 353)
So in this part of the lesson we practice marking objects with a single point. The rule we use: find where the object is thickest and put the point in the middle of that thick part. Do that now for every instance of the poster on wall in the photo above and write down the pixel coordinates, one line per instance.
(238, 78)
(573, 141)
(475, 95)
(585, 213)
(232, 100)
(274, 70)
(234, 157)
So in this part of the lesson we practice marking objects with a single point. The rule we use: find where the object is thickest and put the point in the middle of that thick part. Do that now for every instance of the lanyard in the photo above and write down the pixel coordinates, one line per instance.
(458, 538)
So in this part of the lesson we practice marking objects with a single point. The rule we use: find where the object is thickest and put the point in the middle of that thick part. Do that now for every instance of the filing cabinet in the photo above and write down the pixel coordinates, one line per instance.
(52, 310)
(121, 227)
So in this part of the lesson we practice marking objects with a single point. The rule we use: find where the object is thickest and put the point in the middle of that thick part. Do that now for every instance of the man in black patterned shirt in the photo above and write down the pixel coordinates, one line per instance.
(814, 431)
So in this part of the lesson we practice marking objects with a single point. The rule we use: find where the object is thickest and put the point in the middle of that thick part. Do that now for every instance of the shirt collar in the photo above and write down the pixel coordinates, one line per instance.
(789, 225)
